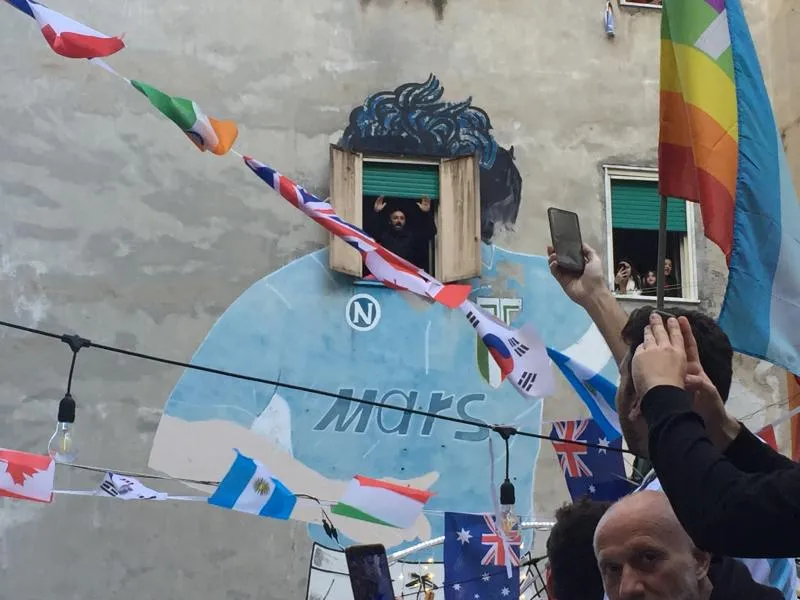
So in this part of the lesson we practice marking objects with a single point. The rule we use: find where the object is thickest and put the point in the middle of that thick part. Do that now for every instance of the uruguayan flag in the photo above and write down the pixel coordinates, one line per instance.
(596, 391)
(249, 487)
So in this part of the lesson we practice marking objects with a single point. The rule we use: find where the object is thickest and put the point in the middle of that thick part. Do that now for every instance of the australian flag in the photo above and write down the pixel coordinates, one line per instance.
(595, 472)
(475, 559)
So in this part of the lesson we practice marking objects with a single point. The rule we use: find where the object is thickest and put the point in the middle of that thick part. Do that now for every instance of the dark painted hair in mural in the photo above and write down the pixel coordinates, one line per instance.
(412, 119)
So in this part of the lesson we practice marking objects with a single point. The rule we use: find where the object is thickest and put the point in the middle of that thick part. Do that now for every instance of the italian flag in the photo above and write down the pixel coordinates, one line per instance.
(381, 502)
(206, 133)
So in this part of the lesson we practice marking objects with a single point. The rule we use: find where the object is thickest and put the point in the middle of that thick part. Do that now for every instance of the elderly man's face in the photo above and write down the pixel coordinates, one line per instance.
(644, 554)
(398, 220)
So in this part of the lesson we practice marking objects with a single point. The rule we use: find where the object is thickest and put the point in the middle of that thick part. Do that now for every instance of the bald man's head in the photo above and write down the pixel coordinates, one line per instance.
(644, 554)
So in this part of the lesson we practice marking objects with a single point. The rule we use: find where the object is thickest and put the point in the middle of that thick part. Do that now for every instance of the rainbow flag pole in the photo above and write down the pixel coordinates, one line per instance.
(662, 252)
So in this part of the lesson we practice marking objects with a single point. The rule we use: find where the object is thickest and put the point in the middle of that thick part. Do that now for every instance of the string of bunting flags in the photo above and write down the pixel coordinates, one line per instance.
(519, 353)
(585, 448)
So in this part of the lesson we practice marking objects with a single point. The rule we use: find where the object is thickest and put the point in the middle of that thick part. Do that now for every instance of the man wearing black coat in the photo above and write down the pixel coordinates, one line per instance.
(732, 493)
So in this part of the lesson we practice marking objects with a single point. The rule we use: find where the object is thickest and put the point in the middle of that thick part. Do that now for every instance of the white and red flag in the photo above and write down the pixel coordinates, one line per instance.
(67, 37)
(26, 476)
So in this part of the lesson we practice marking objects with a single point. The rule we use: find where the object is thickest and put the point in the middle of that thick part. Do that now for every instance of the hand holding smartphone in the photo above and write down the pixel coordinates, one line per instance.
(565, 232)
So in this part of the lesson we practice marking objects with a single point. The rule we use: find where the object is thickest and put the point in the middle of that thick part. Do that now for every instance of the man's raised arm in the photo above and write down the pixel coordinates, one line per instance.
(590, 291)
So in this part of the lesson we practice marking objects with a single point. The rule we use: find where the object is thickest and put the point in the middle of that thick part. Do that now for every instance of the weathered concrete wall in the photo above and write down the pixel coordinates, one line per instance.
(785, 65)
(114, 226)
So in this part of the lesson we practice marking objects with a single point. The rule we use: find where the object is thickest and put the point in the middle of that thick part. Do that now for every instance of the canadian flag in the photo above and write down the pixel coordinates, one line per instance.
(26, 476)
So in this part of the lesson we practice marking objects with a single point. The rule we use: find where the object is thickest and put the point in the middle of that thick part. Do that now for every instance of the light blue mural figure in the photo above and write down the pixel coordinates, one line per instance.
(306, 325)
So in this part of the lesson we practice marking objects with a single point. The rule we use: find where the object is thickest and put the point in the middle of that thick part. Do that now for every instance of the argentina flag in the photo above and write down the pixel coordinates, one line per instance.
(249, 487)
(596, 391)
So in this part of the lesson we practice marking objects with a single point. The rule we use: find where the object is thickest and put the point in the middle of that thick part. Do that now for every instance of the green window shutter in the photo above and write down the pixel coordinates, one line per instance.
(401, 180)
(635, 205)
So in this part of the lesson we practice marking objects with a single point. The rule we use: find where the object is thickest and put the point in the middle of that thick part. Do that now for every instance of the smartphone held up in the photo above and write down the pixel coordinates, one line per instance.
(369, 572)
(565, 232)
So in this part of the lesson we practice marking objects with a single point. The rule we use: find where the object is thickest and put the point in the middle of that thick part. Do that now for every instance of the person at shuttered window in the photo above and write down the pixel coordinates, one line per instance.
(732, 492)
(409, 238)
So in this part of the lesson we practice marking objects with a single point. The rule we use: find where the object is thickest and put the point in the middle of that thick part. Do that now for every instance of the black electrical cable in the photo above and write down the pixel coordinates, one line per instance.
(74, 341)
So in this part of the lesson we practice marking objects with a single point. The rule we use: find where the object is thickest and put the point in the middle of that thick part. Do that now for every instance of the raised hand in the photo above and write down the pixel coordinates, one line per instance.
(623, 275)
(661, 358)
(579, 288)
(424, 204)
(380, 204)
(706, 400)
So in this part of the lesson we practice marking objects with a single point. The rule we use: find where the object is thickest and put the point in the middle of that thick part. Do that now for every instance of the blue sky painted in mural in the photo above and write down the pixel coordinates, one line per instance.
(291, 325)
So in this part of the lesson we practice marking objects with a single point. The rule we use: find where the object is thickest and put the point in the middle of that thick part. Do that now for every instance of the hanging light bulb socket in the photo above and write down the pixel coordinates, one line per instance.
(507, 493)
(66, 409)
(61, 446)
(510, 520)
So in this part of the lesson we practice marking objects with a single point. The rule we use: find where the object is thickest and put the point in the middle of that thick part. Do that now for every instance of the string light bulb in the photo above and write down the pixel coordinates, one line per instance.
(62, 445)
(509, 520)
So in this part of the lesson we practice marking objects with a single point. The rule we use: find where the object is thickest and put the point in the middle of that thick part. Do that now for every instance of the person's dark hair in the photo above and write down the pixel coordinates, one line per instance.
(570, 551)
(714, 347)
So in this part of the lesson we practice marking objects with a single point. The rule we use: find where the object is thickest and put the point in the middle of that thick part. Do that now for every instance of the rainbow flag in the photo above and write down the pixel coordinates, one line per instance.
(720, 146)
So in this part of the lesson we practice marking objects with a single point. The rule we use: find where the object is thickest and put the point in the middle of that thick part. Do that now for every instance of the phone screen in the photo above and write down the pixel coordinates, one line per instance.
(369, 572)
(565, 232)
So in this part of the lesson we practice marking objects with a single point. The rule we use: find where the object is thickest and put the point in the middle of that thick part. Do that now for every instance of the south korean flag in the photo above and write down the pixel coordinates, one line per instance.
(127, 488)
(519, 353)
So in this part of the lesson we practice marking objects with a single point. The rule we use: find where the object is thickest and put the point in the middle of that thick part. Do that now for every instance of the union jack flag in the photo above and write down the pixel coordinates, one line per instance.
(471, 573)
(496, 554)
(597, 471)
(569, 455)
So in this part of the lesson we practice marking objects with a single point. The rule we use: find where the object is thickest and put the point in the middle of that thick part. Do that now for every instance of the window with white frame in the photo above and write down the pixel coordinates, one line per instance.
(641, 3)
(632, 219)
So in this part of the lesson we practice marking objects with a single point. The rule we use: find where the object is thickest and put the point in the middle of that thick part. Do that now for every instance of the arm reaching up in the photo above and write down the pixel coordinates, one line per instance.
(590, 291)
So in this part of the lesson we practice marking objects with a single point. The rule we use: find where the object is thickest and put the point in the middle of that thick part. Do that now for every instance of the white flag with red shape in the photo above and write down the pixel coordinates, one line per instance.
(26, 476)
(520, 353)
(127, 488)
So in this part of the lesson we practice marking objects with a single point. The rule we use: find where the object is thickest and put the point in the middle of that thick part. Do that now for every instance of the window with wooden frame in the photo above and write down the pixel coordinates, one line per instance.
(452, 184)
(632, 220)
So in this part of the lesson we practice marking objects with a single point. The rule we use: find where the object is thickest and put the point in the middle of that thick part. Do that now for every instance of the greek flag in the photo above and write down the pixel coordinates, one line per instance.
(596, 391)
(249, 487)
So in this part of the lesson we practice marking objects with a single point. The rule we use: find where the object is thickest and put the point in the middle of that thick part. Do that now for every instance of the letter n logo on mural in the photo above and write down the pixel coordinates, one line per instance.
(505, 309)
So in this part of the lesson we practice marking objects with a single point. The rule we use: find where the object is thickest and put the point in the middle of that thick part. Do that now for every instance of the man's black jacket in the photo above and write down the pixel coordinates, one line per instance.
(732, 581)
(744, 503)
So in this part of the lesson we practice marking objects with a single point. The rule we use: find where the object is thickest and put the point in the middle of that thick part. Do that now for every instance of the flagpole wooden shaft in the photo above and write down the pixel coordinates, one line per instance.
(662, 253)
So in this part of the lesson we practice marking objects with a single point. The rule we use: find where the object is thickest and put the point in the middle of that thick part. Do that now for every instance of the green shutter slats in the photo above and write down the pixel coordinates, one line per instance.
(401, 180)
(635, 205)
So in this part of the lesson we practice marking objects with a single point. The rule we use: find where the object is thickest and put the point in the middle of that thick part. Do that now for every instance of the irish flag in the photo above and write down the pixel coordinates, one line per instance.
(67, 37)
(206, 133)
(381, 502)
